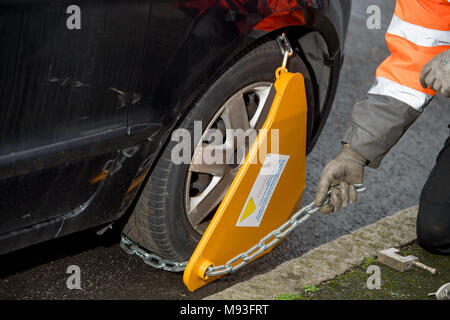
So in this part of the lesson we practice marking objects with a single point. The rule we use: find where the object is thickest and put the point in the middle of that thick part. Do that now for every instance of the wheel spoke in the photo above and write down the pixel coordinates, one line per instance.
(211, 159)
(235, 114)
(263, 93)
(203, 204)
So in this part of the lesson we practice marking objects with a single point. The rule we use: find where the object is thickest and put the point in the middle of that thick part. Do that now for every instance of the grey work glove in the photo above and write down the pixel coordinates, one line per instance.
(436, 74)
(346, 169)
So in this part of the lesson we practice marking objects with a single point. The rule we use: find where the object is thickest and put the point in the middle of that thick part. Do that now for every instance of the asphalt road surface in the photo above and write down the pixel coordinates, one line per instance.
(39, 272)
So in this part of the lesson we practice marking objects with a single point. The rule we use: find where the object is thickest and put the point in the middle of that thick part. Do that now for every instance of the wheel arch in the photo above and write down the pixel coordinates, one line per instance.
(315, 21)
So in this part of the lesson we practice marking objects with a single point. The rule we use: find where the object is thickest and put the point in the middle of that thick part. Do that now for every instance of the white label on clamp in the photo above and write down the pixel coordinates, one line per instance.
(262, 190)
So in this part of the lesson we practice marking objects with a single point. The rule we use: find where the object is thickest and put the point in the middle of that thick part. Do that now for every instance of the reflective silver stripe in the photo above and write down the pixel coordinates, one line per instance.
(414, 98)
(418, 35)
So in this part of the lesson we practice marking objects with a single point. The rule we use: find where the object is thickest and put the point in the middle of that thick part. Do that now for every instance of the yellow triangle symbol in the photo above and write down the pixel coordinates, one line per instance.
(248, 209)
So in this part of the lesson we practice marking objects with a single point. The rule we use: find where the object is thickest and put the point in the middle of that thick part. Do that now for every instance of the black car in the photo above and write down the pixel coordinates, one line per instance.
(91, 92)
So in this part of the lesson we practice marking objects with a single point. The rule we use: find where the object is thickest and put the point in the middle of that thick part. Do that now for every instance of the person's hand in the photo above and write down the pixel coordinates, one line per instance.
(346, 169)
(436, 74)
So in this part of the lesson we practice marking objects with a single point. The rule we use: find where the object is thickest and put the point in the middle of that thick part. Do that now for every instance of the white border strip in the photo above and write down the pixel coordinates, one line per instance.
(418, 35)
(414, 98)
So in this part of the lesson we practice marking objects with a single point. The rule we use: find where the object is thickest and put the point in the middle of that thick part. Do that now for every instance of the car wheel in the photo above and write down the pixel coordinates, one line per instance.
(179, 200)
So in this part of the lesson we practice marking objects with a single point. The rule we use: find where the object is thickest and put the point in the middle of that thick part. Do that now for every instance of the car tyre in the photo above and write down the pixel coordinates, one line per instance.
(159, 221)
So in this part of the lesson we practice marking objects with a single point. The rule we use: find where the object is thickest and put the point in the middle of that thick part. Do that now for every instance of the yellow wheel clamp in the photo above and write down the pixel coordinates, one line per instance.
(256, 214)
(264, 192)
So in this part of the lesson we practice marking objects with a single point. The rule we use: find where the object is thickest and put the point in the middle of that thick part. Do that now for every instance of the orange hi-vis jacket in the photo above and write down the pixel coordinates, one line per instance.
(420, 30)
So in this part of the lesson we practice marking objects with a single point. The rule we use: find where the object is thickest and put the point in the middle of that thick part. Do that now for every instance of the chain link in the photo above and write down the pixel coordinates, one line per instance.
(285, 48)
(243, 258)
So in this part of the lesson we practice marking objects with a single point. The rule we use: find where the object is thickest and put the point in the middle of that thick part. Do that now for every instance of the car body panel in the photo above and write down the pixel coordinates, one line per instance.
(81, 133)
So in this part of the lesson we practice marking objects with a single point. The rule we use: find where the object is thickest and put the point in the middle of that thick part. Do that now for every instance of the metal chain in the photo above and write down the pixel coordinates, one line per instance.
(149, 258)
(245, 257)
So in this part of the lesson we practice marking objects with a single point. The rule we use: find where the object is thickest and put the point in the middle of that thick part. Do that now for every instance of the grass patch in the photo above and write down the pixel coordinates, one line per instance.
(308, 289)
(369, 261)
(287, 296)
